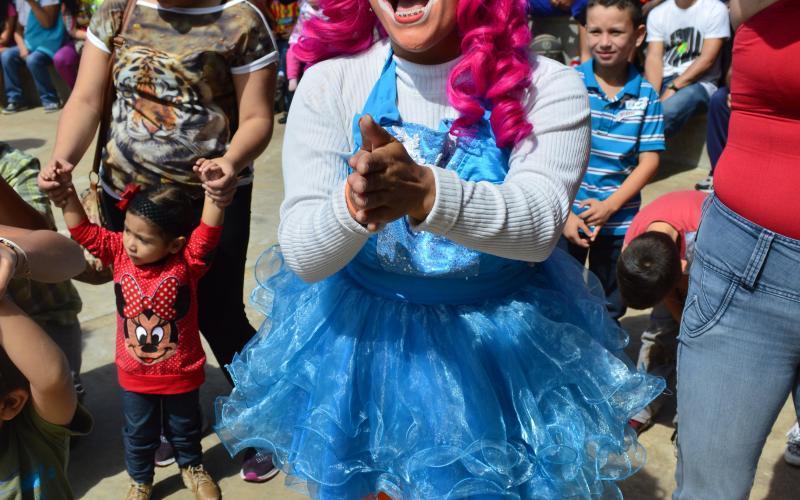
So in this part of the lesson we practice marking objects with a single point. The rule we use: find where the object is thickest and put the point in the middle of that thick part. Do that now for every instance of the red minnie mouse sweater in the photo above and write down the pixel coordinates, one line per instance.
(158, 342)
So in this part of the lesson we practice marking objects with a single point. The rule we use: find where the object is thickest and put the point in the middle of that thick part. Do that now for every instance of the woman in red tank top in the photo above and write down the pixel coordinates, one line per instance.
(739, 357)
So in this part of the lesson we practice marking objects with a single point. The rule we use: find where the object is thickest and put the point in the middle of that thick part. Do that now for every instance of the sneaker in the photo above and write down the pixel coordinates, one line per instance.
(706, 185)
(641, 423)
(282, 118)
(51, 107)
(198, 480)
(13, 107)
(139, 491)
(257, 467)
(165, 454)
(792, 453)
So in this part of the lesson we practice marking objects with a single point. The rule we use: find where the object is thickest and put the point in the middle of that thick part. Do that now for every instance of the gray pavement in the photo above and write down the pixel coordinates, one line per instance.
(97, 468)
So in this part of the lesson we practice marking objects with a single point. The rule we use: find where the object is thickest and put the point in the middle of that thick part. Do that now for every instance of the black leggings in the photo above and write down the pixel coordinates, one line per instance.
(221, 315)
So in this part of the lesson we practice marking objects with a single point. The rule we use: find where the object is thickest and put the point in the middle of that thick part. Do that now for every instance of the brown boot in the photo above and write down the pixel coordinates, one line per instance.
(139, 491)
(200, 482)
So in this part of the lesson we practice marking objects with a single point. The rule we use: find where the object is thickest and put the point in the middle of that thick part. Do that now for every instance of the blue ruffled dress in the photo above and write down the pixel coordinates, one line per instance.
(427, 370)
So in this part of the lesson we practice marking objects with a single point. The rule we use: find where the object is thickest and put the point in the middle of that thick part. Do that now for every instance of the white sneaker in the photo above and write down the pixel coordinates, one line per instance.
(792, 453)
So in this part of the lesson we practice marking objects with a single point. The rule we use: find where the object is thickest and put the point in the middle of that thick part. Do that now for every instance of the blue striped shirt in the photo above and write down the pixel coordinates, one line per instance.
(622, 127)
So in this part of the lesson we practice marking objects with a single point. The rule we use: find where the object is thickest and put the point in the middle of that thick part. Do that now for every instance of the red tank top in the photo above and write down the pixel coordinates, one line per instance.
(758, 175)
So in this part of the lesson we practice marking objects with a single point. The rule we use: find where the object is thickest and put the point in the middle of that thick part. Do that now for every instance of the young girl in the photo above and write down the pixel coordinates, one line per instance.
(309, 9)
(76, 15)
(421, 339)
(157, 260)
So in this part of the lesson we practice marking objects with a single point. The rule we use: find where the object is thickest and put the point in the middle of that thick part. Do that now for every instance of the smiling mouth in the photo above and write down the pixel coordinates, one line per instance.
(408, 12)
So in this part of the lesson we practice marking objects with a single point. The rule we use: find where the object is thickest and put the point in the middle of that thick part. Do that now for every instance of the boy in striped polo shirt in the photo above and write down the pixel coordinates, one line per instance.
(627, 136)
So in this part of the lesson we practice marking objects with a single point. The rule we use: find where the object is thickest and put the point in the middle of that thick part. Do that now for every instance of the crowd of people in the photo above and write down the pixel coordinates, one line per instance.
(430, 331)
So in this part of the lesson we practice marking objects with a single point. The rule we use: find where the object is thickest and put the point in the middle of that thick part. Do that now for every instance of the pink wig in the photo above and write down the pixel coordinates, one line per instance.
(493, 74)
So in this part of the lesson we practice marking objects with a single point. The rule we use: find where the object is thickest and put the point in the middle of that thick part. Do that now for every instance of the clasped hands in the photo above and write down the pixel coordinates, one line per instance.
(386, 183)
(597, 214)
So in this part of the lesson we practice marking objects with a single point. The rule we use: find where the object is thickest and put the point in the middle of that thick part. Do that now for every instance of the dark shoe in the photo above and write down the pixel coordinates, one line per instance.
(51, 107)
(706, 185)
(282, 119)
(165, 454)
(257, 467)
(80, 390)
(13, 107)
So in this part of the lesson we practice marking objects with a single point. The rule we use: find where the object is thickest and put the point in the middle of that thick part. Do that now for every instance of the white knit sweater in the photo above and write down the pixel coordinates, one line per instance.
(519, 219)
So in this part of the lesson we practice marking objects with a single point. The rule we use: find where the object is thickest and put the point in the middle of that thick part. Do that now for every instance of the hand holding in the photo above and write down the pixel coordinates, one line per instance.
(667, 94)
(219, 179)
(598, 212)
(386, 183)
(55, 180)
(572, 231)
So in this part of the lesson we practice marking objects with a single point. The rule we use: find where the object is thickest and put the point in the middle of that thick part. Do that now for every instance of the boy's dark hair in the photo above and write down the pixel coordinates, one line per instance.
(10, 376)
(169, 208)
(648, 269)
(633, 7)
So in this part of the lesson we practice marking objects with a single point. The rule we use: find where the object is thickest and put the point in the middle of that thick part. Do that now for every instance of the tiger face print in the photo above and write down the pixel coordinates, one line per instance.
(160, 116)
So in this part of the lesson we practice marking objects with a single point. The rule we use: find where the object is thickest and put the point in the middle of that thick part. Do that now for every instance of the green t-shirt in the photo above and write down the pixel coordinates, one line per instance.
(34, 455)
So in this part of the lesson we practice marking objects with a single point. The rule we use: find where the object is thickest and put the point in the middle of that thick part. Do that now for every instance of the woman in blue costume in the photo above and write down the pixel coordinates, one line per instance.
(422, 338)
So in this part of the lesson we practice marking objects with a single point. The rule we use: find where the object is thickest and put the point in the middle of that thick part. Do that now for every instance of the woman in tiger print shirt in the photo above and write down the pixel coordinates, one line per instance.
(192, 79)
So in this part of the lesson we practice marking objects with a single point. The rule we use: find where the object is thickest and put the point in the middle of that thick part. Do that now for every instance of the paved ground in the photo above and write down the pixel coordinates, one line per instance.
(97, 469)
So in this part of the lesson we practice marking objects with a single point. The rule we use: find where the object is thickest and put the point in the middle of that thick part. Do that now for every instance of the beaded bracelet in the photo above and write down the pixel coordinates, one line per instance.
(22, 268)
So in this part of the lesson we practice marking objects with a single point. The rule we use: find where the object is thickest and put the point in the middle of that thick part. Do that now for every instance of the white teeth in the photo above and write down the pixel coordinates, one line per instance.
(410, 13)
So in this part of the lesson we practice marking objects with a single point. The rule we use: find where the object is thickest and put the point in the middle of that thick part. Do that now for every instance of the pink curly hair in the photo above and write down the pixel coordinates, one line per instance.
(493, 74)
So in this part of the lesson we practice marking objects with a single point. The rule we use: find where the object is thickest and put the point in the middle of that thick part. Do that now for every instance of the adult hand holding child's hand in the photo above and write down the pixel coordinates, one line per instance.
(55, 180)
(386, 183)
(220, 185)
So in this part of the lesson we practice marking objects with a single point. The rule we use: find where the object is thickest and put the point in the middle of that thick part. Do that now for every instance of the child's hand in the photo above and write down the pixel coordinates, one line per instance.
(598, 212)
(211, 172)
(55, 180)
(572, 231)
(292, 86)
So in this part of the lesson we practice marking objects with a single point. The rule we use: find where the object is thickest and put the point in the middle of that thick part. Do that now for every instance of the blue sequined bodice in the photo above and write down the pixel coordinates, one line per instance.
(426, 267)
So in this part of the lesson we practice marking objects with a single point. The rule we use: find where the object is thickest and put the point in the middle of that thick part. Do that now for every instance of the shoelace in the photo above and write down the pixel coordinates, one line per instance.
(199, 475)
(140, 488)
(794, 434)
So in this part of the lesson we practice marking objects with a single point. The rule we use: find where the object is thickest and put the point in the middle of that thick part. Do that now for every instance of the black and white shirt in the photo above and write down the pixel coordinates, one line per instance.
(683, 32)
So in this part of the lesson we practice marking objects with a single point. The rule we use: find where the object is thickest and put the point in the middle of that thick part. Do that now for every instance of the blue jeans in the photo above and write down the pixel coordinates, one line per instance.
(658, 354)
(603, 255)
(283, 48)
(37, 63)
(719, 114)
(739, 352)
(681, 106)
(182, 426)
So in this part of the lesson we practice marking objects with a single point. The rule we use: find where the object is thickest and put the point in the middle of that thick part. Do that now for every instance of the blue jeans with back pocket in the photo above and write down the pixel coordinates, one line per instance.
(739, 352)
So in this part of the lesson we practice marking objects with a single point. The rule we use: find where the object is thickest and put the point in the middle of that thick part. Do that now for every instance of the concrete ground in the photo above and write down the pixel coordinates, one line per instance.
(97, 469)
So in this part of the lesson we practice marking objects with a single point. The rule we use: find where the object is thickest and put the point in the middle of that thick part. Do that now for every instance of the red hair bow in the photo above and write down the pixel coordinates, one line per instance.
(125, 198)
(162, 303)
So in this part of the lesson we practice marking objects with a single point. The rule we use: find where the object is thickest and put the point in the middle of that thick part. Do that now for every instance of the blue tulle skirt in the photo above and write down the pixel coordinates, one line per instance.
(523, 396)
